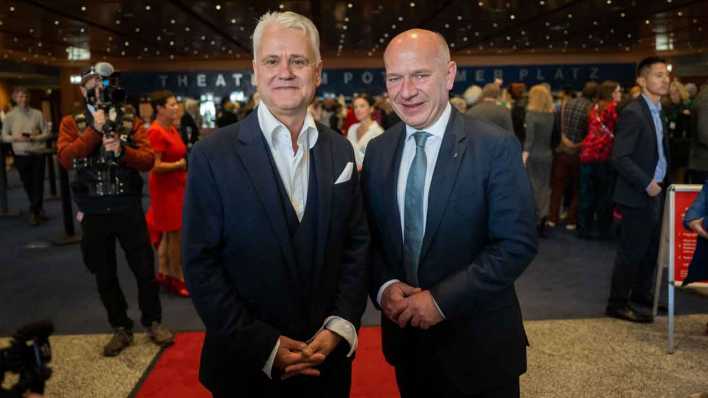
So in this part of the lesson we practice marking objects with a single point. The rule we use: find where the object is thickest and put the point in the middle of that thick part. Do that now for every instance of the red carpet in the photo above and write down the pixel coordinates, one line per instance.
(175, 373)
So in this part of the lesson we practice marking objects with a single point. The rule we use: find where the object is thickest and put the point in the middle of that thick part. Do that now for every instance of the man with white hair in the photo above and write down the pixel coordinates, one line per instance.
(275, 238)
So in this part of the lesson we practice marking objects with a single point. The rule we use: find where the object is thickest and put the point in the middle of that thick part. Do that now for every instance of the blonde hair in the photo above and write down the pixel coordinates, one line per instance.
(682, 90)
(540, 99)
(290, 20)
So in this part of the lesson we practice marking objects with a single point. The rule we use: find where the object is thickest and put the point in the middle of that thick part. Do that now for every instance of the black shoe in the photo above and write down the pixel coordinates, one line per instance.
(121, 339)
(629, 314)
(662, 308)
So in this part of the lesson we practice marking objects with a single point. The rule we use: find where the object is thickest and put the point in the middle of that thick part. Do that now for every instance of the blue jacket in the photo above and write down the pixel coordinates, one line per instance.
(698, 207)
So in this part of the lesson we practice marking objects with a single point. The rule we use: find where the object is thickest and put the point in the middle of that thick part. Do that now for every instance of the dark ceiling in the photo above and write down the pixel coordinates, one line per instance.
(40, 31)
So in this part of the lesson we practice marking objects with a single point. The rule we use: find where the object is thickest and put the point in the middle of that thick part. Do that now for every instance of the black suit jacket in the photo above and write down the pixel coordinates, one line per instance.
(239, 263)
(635, 155)
(480, 236)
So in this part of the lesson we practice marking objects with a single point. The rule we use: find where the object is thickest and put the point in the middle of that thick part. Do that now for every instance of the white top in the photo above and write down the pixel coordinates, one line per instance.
(25, 120)
(294, 171)
(360, 145)
(294, 168)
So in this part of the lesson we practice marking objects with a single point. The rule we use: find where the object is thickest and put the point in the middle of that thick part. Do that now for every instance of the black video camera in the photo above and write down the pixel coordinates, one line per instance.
(110, 99)
(28, 355)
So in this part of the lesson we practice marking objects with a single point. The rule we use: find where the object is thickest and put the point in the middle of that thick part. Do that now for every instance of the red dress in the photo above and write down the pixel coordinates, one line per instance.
(166, 189)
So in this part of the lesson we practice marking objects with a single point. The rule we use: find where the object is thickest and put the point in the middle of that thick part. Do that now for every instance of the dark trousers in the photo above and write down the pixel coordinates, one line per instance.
(31, 169)
(98, 244)
(595, 198)
(635, 264)
(565, 174)
(419, 374)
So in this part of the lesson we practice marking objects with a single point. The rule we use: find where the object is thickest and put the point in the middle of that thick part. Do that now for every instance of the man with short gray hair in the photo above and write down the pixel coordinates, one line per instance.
(274, 237)
(26, 130)
(487, 109)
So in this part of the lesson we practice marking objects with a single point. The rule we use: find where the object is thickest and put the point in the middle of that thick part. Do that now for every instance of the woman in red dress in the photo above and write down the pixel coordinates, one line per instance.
(167, 181)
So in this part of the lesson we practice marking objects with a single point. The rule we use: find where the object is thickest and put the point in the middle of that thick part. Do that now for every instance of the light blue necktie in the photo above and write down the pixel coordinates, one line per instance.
(413, 213)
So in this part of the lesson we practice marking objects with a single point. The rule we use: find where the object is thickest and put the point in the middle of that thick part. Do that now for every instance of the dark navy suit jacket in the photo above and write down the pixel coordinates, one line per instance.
(635, 155)
(480, 236)
(238, 259)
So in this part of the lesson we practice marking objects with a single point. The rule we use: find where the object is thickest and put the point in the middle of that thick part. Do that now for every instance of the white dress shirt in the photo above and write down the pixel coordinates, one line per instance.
(432, 148)
(294, 171)
(359, 145)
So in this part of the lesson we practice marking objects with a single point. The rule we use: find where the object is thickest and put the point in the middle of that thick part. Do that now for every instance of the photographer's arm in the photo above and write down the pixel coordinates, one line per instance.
(72, 144)
(140, 155)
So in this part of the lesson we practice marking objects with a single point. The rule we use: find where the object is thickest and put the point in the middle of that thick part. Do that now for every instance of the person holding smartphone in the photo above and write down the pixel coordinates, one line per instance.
(26, 129)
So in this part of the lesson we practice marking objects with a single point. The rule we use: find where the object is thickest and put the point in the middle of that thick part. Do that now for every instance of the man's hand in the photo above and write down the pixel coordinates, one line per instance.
(24, 137)
(319, 348)
(291, 352)
(524, 157)
(653, 189)
(393, 299)
(99, 119)
(697, 227)
(421, 311)
(112, 144)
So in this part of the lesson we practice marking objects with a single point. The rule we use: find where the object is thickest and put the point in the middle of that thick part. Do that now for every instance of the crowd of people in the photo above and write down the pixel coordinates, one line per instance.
(295, 200)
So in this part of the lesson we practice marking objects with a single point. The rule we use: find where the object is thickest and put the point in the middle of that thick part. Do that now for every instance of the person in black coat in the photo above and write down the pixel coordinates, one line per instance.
(452, 220)
(640, 156)
(275, 245)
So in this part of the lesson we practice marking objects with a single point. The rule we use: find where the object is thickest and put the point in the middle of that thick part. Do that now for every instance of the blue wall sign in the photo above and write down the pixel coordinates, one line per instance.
(349, 81)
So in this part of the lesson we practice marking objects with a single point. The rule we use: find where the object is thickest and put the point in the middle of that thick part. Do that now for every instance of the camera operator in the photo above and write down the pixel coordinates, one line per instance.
(108, 190)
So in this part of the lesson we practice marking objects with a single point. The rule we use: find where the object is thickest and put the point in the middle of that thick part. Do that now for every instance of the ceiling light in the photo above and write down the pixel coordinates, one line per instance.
(233, 20)
(218, 7)
(12, 8)
(186, 29)
(172, 21)
(412, 4)
(56, 22)
(647, 22)
(127, 44)
(147, 7)
(481, 4)
(512, 17)
(281, 6)
(117, 21)
(137, 30)
(400, 19)
(350, 5)
(83, 8)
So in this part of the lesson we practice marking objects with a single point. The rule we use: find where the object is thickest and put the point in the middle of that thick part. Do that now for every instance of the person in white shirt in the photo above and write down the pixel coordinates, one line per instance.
(27, 131)
(361, 133)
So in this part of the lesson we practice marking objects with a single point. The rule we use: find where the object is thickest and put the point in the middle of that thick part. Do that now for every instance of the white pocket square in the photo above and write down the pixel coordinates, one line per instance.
(346, 173)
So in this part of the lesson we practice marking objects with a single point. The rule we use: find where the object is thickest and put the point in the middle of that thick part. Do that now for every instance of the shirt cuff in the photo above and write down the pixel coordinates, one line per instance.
(268, 367)
(344, 329)
(438, 307)
(382, 288)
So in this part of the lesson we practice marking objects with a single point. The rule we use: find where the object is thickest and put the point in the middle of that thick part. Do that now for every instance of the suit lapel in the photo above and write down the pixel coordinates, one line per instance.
(253, 153)
(451, 152)
(324, 164)
(392, 212)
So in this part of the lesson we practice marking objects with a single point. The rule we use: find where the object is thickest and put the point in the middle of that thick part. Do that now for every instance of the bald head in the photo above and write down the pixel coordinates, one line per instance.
(419, 76)
(420, 40)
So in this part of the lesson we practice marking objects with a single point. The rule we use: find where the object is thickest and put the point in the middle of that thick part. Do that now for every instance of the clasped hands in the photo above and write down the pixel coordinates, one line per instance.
(296, 357)
(405, 304)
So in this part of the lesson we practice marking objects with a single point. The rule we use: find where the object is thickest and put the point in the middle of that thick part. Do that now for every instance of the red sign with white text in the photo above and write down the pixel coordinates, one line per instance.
(684, 239)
